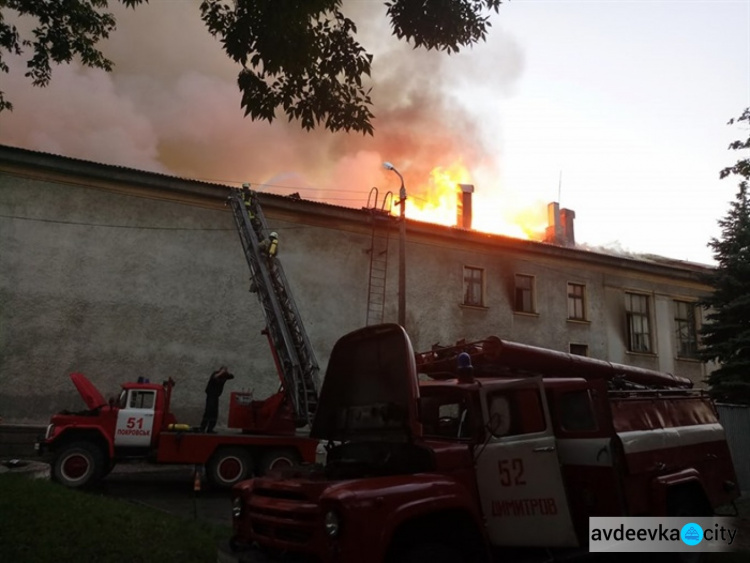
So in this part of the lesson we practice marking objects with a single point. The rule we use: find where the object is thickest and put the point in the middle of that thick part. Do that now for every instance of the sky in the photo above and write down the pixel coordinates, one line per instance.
(617, 109)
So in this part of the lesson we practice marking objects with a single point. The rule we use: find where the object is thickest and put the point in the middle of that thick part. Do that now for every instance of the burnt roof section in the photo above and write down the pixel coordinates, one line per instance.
(13, 158)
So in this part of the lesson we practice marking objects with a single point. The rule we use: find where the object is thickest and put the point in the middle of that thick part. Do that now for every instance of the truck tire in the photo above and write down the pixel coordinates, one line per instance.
(78, 465)
(277, 459)
(229, 466)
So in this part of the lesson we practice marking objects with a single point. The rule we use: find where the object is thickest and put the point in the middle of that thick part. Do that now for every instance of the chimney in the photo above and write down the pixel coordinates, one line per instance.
(554, 231)
(566, 218)
(560, 230)
(463, 209)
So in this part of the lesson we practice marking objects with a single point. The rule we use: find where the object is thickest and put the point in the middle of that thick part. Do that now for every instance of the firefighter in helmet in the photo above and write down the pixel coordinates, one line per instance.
(270, 245)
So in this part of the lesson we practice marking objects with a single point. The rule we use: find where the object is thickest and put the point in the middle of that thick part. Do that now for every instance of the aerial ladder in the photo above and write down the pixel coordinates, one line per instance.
(294, 357)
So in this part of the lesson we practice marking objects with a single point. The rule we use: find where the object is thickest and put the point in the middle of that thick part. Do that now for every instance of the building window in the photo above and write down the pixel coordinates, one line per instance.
(473, 286)
(579, 349)
(687, 335)
(639, 328)
(524, 294)
(576, 302)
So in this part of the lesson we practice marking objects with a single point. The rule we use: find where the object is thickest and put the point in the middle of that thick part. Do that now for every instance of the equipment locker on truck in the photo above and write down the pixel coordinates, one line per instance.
(139, 425)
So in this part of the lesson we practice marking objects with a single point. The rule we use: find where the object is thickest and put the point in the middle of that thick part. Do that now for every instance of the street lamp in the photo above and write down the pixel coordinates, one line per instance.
(401, 247)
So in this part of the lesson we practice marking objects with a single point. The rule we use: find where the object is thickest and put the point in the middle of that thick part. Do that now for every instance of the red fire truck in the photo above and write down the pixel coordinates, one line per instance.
(453, 454)
(139, 425)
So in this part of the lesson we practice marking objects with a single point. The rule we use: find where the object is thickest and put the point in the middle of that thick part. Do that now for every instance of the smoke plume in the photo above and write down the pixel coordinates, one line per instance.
(172, 105)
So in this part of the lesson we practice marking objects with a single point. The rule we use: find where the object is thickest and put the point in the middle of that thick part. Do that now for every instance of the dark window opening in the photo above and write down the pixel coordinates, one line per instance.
(524, 294)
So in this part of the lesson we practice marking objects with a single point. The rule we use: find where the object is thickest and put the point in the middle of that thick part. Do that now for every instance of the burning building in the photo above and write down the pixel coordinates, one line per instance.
(115, 272)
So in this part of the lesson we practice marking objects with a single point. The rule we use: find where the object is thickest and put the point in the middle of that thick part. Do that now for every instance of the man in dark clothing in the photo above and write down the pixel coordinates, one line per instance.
(214, 389)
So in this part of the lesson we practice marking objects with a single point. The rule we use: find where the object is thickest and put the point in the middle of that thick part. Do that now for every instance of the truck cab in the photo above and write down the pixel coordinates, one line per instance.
(479, 458)
(85, 445)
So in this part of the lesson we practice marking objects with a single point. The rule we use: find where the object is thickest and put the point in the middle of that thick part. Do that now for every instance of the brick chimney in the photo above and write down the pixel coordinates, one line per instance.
(560, 229)
(463, 208)
(566, 218)
(553, 234)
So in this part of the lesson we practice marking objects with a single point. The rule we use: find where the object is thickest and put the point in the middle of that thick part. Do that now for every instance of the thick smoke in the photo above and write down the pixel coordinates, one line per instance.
(172, 105)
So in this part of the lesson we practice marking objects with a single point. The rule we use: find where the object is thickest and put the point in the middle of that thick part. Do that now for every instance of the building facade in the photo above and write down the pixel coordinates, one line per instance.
(120, 274)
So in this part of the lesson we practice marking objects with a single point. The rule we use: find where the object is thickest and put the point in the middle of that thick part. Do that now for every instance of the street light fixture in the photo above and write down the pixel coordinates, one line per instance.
(401, 247)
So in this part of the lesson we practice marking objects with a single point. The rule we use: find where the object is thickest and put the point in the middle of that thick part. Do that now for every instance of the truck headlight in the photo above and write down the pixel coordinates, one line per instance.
(237, 507)
(332, 524)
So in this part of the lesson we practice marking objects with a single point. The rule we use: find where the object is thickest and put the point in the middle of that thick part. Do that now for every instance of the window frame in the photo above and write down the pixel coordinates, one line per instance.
(639, 340)
(136, 399)
(469, 283)
(688, 323)
(581, 346)
(577, 298)
(531, 291)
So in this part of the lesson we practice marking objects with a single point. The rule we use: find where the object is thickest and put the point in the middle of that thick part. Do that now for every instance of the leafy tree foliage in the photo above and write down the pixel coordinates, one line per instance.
(300, 56)
(64, 30)
(726, 333)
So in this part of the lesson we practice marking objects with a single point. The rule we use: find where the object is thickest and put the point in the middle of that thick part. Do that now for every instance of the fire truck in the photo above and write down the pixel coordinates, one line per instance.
(467, 451)
(139, 425)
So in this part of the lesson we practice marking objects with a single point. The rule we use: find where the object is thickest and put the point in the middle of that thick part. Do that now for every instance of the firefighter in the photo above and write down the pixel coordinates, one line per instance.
(214, 388)
(247, 197)
(270, 246)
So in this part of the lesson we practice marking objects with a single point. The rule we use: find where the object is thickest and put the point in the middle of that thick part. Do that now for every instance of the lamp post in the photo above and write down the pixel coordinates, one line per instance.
(401, 247)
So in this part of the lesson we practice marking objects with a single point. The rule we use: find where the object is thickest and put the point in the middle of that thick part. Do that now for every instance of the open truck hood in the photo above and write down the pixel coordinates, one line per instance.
(370, 390)
(90, 394)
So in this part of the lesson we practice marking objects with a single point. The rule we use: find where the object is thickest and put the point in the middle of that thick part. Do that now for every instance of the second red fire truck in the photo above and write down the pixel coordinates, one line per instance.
(461, 452)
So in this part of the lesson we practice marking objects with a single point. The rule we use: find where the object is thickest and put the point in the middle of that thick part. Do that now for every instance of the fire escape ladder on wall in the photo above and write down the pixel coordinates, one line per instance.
(293, 354)
(378, 251)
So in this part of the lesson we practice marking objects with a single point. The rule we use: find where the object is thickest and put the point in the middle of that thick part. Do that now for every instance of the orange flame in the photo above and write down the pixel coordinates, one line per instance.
(437, 202)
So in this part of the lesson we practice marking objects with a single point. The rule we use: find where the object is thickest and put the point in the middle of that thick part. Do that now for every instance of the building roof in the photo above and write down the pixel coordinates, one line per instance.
(20, 161)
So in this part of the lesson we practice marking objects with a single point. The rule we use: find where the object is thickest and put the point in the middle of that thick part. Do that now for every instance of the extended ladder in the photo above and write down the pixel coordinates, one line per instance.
(294, 356)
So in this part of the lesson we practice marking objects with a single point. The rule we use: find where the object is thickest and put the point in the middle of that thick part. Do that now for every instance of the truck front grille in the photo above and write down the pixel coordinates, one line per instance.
(280, 520)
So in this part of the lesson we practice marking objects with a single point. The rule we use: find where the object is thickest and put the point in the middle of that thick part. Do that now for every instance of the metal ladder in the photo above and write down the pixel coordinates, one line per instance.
(378, 251)
(295, 360)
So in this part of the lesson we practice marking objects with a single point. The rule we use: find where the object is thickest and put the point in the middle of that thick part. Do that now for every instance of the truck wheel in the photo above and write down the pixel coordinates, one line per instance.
(229, 466)
(78, 464)
(277, 459)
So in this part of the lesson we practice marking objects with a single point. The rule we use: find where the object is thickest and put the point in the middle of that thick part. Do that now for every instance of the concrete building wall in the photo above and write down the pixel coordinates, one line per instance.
(118, 274)
(117, 285)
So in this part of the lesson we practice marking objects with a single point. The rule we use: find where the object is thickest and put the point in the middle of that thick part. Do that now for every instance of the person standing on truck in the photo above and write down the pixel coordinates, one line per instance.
(214, 389)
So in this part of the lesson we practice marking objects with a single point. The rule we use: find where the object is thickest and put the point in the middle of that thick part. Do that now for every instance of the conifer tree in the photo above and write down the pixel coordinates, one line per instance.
(726, 332)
